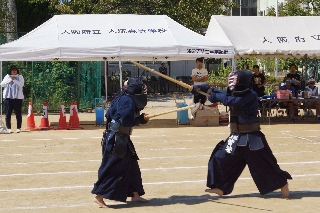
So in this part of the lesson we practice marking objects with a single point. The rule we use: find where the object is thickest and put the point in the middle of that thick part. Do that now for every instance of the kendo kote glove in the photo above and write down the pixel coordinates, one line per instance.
(202, 88)
(142, 120)
(217, 95)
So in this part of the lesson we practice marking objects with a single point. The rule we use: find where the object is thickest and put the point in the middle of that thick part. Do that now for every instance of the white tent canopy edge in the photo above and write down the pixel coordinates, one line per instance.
(266, 36)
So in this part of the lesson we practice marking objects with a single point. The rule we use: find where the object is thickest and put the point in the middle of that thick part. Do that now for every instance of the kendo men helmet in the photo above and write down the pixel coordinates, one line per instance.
(133, 87)
(239, 80)
(137, 91)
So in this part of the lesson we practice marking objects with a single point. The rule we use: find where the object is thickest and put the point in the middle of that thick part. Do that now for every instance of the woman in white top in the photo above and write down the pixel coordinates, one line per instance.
(13, 96)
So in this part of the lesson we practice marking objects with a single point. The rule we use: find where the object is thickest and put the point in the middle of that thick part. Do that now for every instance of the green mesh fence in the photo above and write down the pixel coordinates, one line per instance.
(57, 82)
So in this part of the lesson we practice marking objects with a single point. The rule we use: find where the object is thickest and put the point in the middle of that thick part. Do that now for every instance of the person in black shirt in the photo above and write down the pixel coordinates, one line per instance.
(163, 81)
(258, 81)
(295, 79)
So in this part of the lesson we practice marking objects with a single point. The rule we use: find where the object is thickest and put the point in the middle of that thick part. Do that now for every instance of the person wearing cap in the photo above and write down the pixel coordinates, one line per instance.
(289, 104)
(13, 96)
(313, 91)
(163, 81)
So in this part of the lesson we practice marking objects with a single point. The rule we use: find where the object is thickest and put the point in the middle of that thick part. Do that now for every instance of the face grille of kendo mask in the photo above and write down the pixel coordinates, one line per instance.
(232, 80)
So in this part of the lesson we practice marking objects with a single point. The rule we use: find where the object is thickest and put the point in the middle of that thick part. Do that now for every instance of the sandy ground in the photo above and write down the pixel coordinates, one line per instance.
(54, 170)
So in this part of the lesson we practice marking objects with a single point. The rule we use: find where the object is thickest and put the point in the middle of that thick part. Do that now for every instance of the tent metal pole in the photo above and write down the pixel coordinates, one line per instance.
(106, 80)
(1, 88)
(120, 72)
(276, 59)
(305, 76)
(233, 63)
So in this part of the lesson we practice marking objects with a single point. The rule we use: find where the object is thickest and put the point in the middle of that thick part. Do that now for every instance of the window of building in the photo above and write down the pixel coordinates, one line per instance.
(248, 8)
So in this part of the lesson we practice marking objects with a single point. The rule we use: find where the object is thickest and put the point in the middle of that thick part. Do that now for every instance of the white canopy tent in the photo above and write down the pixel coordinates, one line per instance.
(266, 36)
(113, 37)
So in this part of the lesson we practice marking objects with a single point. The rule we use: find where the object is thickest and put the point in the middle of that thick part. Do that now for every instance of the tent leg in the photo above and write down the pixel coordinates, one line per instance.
(1, 88)
(233, 64)
(120, 69)
(276, 67)
(106, 81)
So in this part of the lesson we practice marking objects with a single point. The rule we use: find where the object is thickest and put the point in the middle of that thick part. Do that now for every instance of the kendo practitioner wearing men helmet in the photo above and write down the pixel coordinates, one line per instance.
(246, 144)
(119, 174)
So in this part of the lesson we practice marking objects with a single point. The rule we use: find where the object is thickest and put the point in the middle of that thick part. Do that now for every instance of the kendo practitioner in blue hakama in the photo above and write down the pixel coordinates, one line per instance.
(246, 144)
(119, 174)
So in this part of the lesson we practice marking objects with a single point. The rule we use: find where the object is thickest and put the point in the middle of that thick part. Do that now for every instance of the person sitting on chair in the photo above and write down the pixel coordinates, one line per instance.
(289, 104)
(313, 91)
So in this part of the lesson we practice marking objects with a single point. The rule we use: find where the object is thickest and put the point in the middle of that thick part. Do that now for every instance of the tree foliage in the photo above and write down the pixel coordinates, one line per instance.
(297, 8)
(2, 15)
(194, 14)
(8, 15)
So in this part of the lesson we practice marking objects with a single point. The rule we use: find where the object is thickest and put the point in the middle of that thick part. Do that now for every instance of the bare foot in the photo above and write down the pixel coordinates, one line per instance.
(285, 191)
(99, 200)
(215, 190)
(139, 199)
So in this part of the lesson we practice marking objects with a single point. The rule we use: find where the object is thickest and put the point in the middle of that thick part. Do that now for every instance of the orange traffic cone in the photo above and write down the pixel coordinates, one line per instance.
(44, 125)
(30, 121)
(63, 119)
(74, 119)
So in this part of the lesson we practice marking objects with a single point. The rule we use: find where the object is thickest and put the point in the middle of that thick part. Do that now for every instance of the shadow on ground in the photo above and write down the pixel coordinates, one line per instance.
(193, 200)
(187, 200)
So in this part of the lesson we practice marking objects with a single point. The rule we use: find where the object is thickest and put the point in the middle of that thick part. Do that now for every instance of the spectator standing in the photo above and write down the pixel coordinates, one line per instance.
(199, 77)
(13, 96)
(163, 81)
(258, 82)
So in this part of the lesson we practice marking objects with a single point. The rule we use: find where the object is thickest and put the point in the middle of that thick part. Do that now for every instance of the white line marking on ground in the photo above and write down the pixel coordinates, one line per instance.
(50, 162)
(147, 183)
(306, 162)
(303, 138)
(282, 137)
(143, 169)
(146, 158)
(47, 173)
(41, 139)
(160, 199)
(70, 138)
(138, 150)
(8, 140)
(174, 157)
(49, 153)
(77, 161)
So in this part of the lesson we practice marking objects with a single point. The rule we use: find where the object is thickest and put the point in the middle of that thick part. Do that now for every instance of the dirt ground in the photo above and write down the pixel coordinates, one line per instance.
(54, 170)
